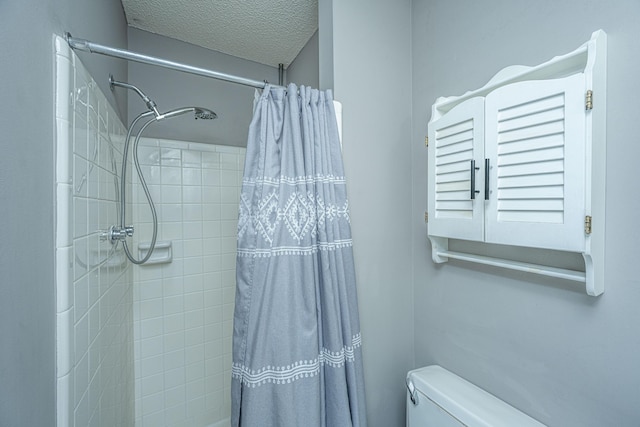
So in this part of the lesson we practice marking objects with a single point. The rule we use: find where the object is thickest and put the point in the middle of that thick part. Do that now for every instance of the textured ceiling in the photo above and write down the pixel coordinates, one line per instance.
(266, 31)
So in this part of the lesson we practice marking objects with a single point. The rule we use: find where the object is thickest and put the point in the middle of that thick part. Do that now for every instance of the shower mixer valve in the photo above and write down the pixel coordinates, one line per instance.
(116, 234)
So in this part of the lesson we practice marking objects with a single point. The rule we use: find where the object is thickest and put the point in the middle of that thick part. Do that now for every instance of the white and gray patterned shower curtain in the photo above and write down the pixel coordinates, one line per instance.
(297, 357)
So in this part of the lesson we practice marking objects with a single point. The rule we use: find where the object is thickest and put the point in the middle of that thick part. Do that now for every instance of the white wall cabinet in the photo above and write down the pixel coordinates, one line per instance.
(521, 162)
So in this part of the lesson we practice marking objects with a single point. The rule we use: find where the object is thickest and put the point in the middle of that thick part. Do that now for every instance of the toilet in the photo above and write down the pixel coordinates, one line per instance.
(439, 398)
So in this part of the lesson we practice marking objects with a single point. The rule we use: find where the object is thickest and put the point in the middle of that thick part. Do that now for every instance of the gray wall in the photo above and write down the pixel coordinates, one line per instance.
(27, 299)
(170, 89)
(542, 345)
(376, 97)
(304, 70)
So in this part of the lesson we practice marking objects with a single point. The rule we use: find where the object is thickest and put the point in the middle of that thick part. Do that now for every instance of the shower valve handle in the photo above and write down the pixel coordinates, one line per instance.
(116, 234)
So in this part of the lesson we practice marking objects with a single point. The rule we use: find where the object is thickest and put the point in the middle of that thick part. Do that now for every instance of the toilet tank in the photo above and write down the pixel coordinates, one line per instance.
(443, 399)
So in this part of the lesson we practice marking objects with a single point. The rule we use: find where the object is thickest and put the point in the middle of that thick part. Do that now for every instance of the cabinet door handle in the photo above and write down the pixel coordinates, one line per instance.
(473, 180)
(486, 179)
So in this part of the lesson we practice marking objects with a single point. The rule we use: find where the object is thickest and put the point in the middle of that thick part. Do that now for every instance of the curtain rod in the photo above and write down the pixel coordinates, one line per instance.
(88, 46)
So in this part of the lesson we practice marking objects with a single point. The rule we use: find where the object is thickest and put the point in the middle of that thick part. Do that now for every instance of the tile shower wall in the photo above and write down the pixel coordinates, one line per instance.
(93, 282)
(183, 310)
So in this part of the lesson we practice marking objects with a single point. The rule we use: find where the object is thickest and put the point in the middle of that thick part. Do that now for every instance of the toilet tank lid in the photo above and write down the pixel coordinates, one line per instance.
(470, 404)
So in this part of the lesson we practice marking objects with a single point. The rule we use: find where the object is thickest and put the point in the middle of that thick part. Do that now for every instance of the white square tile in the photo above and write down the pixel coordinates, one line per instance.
(211, 280)
(171, 212)
(230, 195)
(152, 175)
(211, 229)
(191, 159)
(229, 161)
(193, 318)
(174, 377)
(150, 419)
(176, 416)
(174, 360)
(193, 265)
(192, 194)
(151, 346)
(213, 315)
(211, 212)
(80, 216)
(193, 283)
(212, 263)
(152, 384)
(213, 332)
(210, 194)
(175, 269)
(227, 311)
(150, 328)
(228, 277)
(211, 177)
(93, 215)
(212, 297)
(81, 298)
(194, 371)
(192, 229)
(81, 379)
(193, 301)
(191, 177)
(150, 289)
(150, 404)
(80, 176)
(171, 230)
(229, 294)
(81, 412)
(228, 178)
(171, 194)
(210, 160)
(171, 175)
(172, 286)
(229, 211)
(174, 396)
(151, 366)
(81, 338)
(197, 408)
(193, 247)
(170, 156)
(173, 305)
(192, 212)
(174, 323)
(213, 366)
(194, 337)
(151, 308)
(174, 341)
(229, 227)
(149, 155)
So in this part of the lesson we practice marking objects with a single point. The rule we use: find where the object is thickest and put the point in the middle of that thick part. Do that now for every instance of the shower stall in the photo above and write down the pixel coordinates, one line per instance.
(145, 344)
(183, 309)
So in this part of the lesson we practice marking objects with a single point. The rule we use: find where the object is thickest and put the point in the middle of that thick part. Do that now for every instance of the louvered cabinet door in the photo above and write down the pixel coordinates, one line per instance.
(456, 139)
(535, 142)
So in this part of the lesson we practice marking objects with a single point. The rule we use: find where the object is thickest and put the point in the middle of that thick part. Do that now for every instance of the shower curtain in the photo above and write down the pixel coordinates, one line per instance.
(297, 357)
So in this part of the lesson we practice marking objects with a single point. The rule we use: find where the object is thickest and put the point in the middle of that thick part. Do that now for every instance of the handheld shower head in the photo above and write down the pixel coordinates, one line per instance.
(204, 114)
(199, 113)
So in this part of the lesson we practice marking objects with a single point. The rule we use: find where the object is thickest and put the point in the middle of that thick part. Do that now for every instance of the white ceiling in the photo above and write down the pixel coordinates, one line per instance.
(265, 31)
